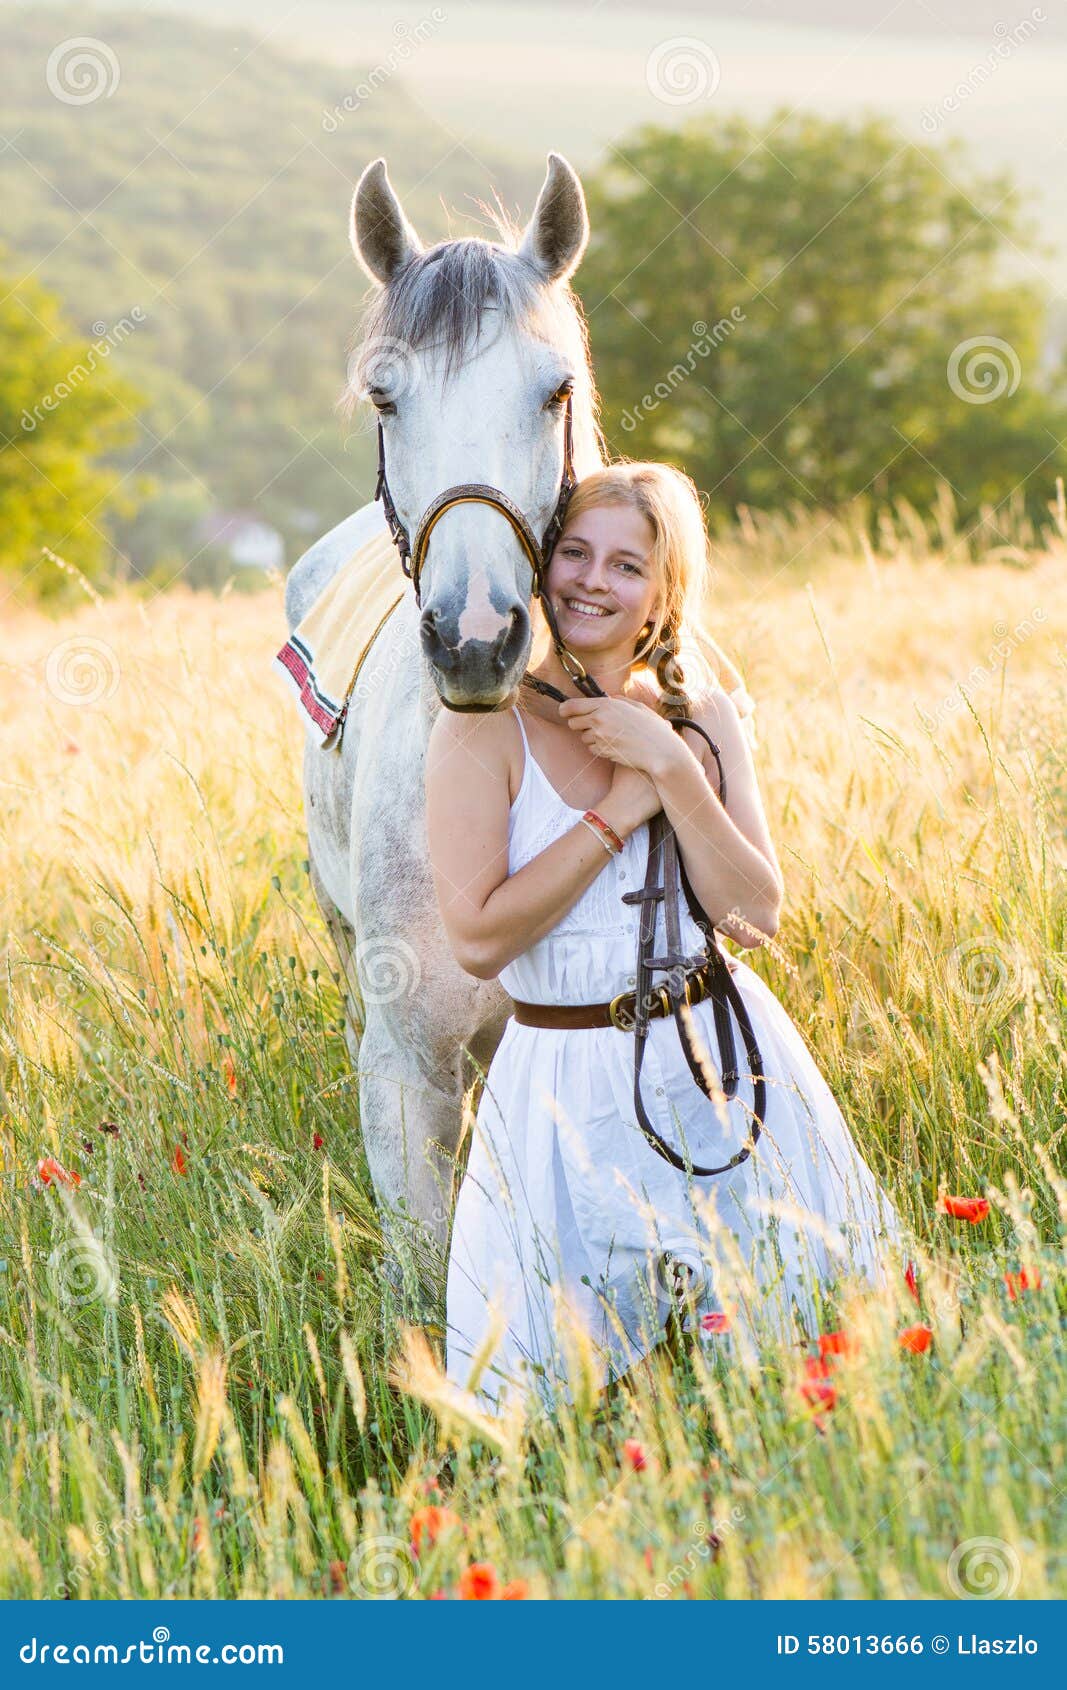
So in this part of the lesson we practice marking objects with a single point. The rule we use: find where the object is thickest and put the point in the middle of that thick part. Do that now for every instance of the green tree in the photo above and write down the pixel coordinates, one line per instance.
(61, 407)
(789, 318)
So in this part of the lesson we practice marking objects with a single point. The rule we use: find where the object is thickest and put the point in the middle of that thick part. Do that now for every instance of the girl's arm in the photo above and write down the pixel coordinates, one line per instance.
(489, 917)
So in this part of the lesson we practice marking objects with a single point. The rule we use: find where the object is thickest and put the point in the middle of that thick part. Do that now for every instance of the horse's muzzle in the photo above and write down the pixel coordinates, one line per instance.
(475, 674)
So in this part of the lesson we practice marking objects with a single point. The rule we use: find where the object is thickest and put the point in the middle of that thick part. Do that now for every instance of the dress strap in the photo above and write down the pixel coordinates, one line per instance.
(522, 730)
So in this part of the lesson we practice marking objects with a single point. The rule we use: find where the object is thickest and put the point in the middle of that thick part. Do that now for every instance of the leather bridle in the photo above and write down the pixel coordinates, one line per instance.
(665, 867)
(538, 552)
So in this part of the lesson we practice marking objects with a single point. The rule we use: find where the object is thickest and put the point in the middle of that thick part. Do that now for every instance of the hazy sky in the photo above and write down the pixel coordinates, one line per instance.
(533, 74)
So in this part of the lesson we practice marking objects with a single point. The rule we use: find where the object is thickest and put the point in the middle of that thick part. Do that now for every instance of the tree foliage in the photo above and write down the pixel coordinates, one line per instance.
(781, 315)
(62, 410)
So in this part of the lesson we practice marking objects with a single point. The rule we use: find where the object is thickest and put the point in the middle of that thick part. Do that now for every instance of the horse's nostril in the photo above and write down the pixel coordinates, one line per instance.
(436, 647)
(509, 643)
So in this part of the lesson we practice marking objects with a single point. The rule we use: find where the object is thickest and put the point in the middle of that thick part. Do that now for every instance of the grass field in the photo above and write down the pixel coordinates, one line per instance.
(196, 1397)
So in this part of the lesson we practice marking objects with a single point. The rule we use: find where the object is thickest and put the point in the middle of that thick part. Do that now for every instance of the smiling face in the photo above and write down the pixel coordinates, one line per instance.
(602, 581)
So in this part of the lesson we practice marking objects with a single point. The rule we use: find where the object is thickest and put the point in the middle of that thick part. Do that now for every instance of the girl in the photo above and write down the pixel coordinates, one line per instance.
(568, 1220)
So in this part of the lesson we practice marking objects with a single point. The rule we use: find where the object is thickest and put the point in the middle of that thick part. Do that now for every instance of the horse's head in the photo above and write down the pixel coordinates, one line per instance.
(468, 353)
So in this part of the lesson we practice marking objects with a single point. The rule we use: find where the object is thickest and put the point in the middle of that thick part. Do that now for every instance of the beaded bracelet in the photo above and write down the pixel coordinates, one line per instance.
(604, 832)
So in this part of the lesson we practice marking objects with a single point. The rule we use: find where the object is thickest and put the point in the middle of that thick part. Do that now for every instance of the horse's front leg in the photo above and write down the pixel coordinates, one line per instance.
(411, 1094)
(410, 1122)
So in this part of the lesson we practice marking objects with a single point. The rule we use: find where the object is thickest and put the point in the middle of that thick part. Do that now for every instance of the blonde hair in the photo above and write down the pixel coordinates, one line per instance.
(676, 635)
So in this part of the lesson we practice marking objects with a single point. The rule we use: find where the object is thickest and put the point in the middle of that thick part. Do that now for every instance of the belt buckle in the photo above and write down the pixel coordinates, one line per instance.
(696, 986)
(665, 1001)
(616, 1012)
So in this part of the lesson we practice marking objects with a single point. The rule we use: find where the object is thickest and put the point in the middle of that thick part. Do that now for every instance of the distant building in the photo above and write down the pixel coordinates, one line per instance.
(248, 541)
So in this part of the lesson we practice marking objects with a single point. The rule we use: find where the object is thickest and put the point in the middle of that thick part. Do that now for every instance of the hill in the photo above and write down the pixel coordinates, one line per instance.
(208, 184)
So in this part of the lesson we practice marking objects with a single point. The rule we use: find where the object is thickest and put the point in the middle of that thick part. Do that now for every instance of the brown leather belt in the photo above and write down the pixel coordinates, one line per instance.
(618, 1012)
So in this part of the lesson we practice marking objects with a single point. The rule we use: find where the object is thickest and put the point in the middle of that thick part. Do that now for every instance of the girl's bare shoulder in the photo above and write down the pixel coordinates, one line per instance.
(479, 747)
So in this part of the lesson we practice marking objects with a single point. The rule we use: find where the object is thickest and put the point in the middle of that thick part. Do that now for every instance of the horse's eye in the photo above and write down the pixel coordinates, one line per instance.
(563, 392)
(383, 405)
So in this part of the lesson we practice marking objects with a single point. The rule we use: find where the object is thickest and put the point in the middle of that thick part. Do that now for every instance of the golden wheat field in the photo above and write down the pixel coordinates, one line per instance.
(202, 1392)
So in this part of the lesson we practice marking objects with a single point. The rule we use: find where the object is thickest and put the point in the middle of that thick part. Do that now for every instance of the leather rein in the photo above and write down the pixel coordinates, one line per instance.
(664, 868)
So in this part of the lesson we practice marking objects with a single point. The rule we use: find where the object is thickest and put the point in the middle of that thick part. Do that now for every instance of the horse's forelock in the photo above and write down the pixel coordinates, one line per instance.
(440, 296)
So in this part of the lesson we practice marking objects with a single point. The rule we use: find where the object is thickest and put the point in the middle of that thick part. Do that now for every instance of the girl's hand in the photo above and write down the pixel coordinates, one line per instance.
(627, 732)
(635, 794)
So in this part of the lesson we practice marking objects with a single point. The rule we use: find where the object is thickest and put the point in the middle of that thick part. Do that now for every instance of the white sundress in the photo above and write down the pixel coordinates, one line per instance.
(565, 1204)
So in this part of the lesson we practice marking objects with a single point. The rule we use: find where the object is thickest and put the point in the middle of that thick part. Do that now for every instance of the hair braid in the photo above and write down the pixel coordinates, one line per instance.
(665, 659)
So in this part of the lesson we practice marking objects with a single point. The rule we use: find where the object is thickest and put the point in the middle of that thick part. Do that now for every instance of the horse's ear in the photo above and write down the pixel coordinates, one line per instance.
(558, 231)
(382, 238)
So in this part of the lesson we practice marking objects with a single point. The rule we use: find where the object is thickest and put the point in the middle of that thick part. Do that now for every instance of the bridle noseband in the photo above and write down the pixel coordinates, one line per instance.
(538, 552)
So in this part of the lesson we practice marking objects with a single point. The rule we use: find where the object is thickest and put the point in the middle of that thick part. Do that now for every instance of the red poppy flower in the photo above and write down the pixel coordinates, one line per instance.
(817, 1387)
(836, 1344)
(198, 1534)
(111, 1127)
(916, 1339)
(178, 1162)
(911, 1280)
(649, 1563)
(715, 1322)
(318, 1141)
(1027, 1279)
(430, 1522)
(516, 1590)
(338, 1577)
(49, 1171)
(478, 1582)
(964, 1208)
(633, 1451)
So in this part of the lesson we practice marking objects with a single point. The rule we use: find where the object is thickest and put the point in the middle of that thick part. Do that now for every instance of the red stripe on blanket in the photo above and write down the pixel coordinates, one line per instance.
(301, 674)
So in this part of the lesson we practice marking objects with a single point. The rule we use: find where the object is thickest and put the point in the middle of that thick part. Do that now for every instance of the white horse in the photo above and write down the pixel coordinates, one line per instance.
(466, 350)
